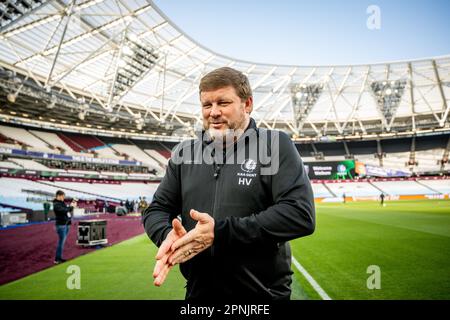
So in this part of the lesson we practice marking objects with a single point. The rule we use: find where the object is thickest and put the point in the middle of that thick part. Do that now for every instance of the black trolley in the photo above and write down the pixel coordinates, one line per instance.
(92, 232)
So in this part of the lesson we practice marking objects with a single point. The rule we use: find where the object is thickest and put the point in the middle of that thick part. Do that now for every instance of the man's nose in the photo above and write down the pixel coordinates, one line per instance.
(215, 111)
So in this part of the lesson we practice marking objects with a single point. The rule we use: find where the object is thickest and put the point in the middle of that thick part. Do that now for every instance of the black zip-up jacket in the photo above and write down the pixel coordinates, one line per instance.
(255, 216)
(61, 212)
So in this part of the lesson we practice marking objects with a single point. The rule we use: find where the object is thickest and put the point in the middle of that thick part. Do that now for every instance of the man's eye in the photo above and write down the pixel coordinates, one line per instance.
(206, 106)
(224, 103)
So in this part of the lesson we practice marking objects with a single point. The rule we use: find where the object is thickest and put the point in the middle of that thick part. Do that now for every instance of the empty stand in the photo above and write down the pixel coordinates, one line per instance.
(368, 159)
(429, 160)
(320, 191)
(106, 152)
(85, 141)
(30, 164)
(353, 189)
(402, 187)
(9, 165)
(52, 139)
(3, 139)
(13, 192)
(157, 156)
(440, 185)
(11, 146)
(123, 191)
(23, 136)
(397, 160)
(163, 148)
(137, 154)
(72, 144)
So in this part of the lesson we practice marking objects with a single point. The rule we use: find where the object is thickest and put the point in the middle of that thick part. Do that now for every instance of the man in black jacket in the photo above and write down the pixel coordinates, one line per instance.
(242, 193)
(63, 215)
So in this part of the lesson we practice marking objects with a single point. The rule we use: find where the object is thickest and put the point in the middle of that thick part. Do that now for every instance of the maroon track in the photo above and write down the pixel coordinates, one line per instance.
(27, 249)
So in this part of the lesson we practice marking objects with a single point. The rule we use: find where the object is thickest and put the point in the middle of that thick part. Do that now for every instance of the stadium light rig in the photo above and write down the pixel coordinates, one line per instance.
(83, 109)
(11, 97)
(51, 104)
(388, 95)
(133, 62)
(304, 97)
(12, 11)
(140, 123)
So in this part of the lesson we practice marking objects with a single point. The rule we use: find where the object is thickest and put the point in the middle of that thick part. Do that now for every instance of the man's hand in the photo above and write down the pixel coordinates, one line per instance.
(162, 267)
(195, 241)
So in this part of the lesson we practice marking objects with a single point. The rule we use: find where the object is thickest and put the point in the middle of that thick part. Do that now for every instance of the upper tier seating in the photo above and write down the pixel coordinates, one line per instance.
(3, 139)
(157, 156)
(369, 159)
(106, 152)
(26, 138)
(52, 139)
(429, 160)
(10, 146)
(163, 148)
(85, 141)
(74, 146)
(397, 160)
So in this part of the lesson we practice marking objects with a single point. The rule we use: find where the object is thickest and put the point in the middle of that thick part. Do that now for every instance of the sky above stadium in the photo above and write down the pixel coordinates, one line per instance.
(325, 32)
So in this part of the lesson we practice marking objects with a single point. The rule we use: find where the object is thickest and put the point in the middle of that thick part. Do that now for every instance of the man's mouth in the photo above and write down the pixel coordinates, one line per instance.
(217, 125)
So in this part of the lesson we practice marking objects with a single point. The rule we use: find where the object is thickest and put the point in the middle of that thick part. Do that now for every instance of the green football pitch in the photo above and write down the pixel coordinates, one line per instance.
(409, 241)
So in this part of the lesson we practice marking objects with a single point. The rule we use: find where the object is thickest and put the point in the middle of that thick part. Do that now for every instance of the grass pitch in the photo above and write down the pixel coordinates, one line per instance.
(408, 240)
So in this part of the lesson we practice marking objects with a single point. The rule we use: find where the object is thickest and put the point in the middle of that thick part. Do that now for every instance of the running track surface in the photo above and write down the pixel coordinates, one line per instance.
(28, 249)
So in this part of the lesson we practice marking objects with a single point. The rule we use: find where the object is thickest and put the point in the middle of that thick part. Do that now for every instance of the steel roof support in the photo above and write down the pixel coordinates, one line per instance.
(446, 106)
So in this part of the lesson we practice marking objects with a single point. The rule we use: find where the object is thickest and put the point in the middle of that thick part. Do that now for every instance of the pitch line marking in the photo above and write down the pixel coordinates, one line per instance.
(311, 280)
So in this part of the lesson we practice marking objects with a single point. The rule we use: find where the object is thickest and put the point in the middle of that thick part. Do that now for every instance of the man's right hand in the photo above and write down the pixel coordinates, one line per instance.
(162, 266)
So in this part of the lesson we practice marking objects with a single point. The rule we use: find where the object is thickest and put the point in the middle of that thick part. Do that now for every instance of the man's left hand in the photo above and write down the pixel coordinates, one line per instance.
(195, 241)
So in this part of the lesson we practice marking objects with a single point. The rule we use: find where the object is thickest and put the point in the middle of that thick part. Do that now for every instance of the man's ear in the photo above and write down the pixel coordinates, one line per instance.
(249, 105)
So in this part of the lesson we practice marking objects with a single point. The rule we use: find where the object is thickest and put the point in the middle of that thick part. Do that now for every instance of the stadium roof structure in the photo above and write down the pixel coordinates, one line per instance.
(123, 66)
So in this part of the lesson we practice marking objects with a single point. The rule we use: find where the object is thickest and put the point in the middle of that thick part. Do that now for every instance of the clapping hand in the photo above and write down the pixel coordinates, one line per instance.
(162, 266)
(181, 246)
(195, 241)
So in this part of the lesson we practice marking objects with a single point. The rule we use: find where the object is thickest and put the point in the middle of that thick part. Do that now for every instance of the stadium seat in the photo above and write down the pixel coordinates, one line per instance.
(25, 137)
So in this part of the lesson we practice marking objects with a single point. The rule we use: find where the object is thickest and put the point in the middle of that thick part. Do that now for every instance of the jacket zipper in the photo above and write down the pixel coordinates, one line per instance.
(217, 169)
